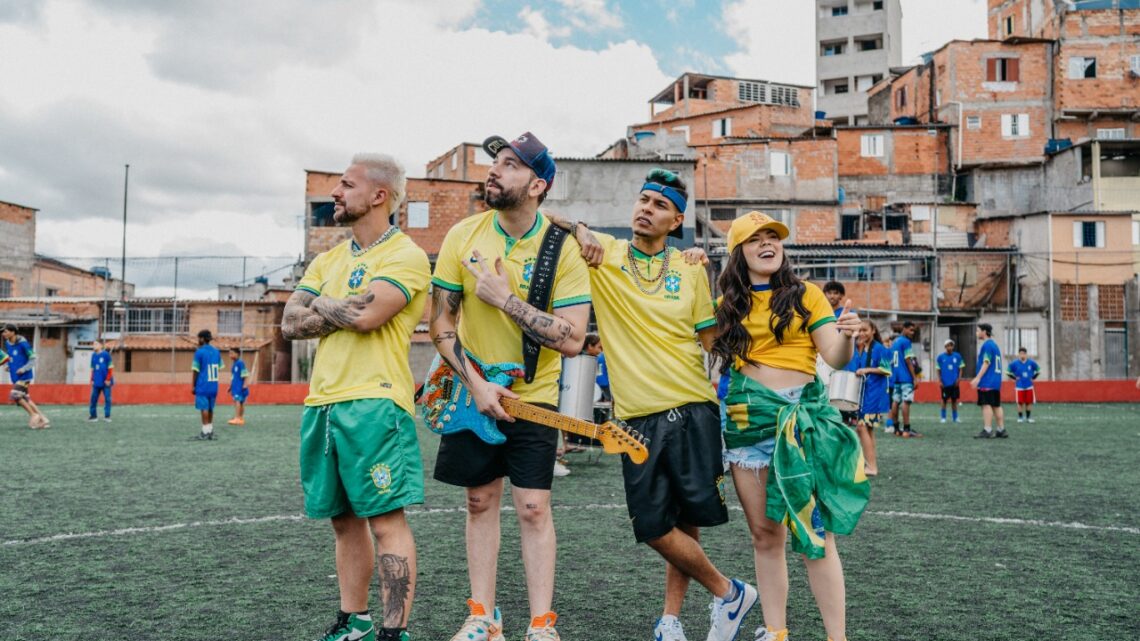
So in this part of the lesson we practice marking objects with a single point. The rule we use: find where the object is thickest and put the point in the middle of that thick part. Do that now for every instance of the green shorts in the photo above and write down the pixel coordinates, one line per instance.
(361, 457)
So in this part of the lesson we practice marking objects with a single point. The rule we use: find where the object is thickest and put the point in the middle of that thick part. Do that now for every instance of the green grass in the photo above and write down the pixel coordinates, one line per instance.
(908, 577)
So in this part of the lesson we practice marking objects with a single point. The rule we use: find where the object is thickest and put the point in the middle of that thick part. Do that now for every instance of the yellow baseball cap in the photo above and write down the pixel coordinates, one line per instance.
(750, 223)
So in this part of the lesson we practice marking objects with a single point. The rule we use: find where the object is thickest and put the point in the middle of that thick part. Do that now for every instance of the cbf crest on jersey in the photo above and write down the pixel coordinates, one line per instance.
(673, 285)
(381, 477)
(356, 277)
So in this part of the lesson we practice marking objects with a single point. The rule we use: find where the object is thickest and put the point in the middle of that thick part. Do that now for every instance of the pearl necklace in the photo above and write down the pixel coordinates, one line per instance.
(356, 251)
(656, 281)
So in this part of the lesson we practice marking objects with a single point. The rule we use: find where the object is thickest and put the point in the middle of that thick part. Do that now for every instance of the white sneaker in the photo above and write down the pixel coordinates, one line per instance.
(479, 626)
(107, 420)
(725, 617)
(942, 421)
(560, 469)
(957, 420)
(669, 628)
(888, 430)
(1020, 420)
(1030, 420)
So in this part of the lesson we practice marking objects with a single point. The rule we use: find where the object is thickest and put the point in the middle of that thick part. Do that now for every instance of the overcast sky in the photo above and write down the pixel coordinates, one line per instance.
(220, 106)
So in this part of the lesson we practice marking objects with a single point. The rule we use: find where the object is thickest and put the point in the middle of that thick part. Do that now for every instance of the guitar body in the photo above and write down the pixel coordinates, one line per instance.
(448, 406)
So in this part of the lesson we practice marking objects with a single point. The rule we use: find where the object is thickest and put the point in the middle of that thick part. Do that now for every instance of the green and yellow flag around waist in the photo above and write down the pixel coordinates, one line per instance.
(816, 482)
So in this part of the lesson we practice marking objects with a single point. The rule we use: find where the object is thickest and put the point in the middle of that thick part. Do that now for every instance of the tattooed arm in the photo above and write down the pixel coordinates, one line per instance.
(445, 335)
(309, 316)
(299, 321)
(563, 331)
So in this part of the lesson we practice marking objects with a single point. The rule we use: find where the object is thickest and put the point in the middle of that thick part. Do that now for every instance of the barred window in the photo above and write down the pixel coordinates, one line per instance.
(751, 92)
(229, 322)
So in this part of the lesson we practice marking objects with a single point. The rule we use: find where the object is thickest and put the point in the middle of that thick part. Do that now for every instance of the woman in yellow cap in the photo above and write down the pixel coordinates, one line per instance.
(793, 461)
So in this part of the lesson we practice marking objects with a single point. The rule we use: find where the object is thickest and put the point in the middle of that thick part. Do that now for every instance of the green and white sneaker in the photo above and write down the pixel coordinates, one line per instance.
(350, 627)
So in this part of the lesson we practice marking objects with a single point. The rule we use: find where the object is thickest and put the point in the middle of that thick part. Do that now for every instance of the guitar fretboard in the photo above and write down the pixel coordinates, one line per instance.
(549, 418)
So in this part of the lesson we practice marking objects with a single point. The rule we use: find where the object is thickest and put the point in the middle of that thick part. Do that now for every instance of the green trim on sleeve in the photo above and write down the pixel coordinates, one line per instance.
(451, 287)
(306, 288)
(705, 324)
(821, 322)
(393, 281)
(584, 299)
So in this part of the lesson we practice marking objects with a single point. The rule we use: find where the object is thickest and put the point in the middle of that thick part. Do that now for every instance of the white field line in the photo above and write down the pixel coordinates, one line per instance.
(416, 513)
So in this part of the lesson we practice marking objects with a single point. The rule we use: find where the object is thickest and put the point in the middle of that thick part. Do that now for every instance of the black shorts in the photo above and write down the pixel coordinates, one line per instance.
(682, 481)
(950, 392)
(527, 458)
(991, 397)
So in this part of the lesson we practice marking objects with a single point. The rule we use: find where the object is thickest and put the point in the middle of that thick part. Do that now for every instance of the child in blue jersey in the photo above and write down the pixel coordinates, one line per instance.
(904, 367)
(872, 361)
(950, 365)
(1024, 370)
(988, 383)
(205, 369)
(102, 378)
(20, 359)
(238, 388)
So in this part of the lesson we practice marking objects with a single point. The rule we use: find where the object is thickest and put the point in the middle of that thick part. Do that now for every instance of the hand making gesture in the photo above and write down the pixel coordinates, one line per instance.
(491, 286)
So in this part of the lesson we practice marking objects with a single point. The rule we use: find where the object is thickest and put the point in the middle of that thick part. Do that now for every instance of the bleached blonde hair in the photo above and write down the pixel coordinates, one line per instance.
(385, 170)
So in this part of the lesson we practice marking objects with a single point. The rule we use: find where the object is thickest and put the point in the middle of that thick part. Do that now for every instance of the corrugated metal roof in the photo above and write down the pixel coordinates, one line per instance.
(184, 343)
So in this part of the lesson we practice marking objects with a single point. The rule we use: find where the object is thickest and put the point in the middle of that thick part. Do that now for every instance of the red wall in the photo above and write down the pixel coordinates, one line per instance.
(163, 394)
(294, 393)
(1046, 392)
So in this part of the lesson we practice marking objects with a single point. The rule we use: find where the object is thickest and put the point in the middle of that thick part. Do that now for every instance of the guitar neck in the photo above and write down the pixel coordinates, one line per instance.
(549, 418)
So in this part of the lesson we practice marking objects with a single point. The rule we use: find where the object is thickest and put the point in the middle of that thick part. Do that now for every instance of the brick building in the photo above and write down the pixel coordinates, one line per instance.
(17, 249)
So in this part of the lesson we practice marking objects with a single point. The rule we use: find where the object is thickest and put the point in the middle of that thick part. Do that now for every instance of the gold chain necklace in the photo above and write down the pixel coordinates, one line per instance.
(383, 237)
(656, 281)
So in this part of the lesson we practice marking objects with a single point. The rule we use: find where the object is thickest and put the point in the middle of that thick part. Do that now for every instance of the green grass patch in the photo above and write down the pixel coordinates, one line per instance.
(202, 566)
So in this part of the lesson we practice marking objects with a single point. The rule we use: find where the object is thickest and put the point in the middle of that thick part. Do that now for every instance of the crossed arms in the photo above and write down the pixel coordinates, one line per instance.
(308, 315)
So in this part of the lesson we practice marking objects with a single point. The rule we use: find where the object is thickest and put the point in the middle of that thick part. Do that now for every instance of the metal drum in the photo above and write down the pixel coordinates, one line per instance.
(845, 390)
(576, 397)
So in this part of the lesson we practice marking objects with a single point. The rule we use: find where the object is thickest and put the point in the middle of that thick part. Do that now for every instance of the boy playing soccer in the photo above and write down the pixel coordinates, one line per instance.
(1024, 371)
(207, 364)
(238, 388)
(950, 365)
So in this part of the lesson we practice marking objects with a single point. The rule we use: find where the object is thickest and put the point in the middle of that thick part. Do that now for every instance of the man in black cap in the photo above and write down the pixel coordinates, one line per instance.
(486, 267)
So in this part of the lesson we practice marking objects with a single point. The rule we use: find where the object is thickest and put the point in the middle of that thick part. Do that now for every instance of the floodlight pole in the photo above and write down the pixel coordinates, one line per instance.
(123, 260)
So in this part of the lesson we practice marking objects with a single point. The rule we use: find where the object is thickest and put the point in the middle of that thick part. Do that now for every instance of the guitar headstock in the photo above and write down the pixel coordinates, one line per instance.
(618, 437)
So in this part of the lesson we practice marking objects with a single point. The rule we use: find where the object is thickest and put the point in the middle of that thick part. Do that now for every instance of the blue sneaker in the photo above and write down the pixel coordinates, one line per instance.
(725, 617)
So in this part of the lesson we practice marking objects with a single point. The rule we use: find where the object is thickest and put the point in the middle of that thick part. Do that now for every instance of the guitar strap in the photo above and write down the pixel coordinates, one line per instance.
(541, 286)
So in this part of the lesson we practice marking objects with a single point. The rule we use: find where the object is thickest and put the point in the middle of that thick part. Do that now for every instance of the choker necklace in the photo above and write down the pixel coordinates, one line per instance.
(656, 281)
(357, 251)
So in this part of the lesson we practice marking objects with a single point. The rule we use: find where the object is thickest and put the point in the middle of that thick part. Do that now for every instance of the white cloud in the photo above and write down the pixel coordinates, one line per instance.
(221, 160)
(538, 26)
(591, 15)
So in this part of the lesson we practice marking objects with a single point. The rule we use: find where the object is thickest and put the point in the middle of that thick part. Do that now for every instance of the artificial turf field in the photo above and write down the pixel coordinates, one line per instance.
(129, 531)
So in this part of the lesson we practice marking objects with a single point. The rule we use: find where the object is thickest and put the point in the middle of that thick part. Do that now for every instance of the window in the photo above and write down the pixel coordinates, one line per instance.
(840, 88)
(51, 291)
(900, 97)
(1015, 339)
(682, 129)
(872, 146)
(1002, 70)
(973, 122)
(1082, 67)
(1116, 133)
(877, 5)
(229, 322)
(321, 214)
(785, 96)
(849, 227)
(1088, 233)
(1136, 232)
(418, 214)
(832, 48)
(723, 213)
(454, 160)
(839, 11)
(966, 274)
(782, 215)
(1134, 65)
(6, 288)
(752, 91)
(781, 164)
(863, 83)
(1009, 25)
(722, 127)
(871, 44)
(1015, 125)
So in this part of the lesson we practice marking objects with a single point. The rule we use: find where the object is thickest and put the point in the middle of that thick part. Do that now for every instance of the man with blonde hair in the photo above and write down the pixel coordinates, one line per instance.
(360, 460)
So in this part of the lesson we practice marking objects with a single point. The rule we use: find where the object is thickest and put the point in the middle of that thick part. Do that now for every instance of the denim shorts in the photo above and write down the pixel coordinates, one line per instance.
(759, 455)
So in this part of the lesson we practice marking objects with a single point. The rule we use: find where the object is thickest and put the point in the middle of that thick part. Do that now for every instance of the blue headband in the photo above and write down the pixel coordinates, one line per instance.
(673, 195)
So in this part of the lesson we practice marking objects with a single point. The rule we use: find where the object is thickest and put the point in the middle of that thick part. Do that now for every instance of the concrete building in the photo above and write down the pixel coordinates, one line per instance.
(858, 41)
(17, 249)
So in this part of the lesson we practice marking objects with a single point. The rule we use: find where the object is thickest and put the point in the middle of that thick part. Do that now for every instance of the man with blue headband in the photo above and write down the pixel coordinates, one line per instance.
(655, 313)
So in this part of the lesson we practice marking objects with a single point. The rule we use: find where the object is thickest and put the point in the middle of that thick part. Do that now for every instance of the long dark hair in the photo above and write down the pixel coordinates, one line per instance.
(733, 339)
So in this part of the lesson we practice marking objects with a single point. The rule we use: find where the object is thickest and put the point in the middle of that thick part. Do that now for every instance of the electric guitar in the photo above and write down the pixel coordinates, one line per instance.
(448, 408)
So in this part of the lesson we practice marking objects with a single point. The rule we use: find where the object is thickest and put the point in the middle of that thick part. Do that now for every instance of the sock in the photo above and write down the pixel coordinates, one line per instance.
(1019, 415)
(906, 428)
(944, 413)
(1028, 413)
(955, 415)
(988, 428)
(732, 592)
(208, 428)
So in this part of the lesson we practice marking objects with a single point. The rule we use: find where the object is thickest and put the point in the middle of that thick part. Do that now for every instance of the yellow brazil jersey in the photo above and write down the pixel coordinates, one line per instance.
(798, 351)
(654, 359)
(486, 331)
(352, 365)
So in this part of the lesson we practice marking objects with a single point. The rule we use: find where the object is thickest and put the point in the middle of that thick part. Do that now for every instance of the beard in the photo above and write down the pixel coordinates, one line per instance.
(347, 215)
(506, 198)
